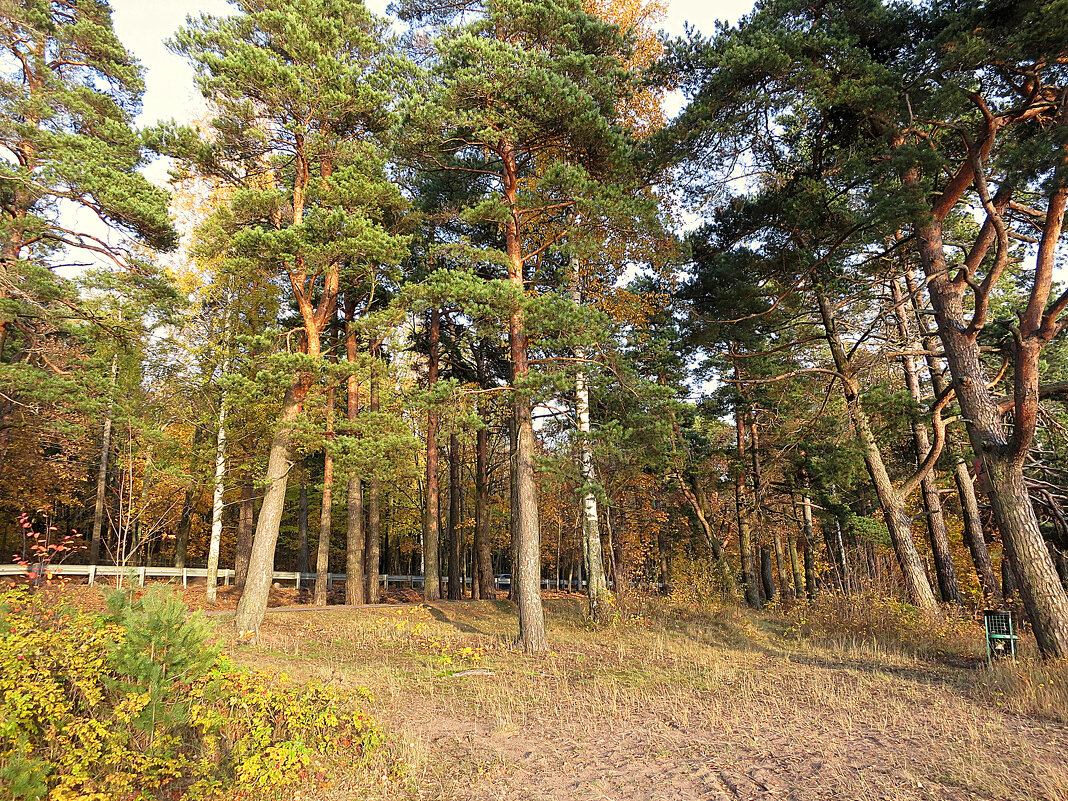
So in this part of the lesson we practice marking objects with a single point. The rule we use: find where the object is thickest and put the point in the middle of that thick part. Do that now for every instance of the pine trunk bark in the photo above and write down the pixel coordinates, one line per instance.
(455, 544)
(483, 554)
(322, 553)
(528, 537)
(1040, 589)
(945, 572)
(795, 568)
(758, 500)
(767, 573)
(969, 503)
(303, 554)
(432, 571)
(102, 474)
(750, 579)
(355, 536)
(246, 523)
(253, 603)
(372, 553)
(185, 525)
(896, 518)
(664, 560)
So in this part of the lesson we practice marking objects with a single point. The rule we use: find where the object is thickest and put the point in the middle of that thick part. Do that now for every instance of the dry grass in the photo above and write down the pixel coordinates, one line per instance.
(885, 625)
(1036, 689)
(729, 705)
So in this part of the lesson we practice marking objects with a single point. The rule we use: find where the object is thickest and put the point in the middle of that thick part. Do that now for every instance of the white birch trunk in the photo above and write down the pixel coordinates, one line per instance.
(212, 579)
(591, 544)
(217, 506)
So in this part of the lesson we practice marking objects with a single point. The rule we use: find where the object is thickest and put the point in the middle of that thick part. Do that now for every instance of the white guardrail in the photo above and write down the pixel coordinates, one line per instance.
(226, 575)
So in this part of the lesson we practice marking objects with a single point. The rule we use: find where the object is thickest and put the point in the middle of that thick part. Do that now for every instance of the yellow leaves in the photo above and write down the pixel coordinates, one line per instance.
(631, 308)
(74, 726)
(643, 111)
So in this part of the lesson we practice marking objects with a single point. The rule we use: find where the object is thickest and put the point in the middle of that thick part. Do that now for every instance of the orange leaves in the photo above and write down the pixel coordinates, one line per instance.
(643, 112)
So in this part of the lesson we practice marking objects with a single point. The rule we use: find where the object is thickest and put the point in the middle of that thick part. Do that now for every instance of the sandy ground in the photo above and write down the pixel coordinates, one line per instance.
(632, 713)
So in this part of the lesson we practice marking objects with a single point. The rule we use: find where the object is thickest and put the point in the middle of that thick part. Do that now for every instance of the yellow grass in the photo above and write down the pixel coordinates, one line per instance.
(730, 705)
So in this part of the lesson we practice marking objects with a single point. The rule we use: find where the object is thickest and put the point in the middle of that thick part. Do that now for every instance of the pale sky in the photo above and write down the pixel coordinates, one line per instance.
(143, 25)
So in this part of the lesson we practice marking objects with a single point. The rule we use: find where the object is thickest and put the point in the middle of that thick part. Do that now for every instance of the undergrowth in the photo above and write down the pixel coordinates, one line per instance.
(136, 705)
(1029, 687)
(885, 624)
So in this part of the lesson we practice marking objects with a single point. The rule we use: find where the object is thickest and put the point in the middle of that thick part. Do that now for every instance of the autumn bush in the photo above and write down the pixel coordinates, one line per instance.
(875, 621)
(697, 588)
(136, 705)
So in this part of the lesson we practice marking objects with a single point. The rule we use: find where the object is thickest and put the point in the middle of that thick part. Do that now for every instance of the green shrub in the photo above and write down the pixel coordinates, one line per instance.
(137, 706)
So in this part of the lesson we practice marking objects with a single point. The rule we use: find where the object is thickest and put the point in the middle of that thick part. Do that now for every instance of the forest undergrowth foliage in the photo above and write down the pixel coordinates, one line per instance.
(882, 623)
(136, 704)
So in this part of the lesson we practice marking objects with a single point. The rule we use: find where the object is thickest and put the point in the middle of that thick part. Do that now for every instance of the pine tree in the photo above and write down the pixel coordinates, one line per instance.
(301, 90)
(524, 96)
(923, 110)
(69, 92)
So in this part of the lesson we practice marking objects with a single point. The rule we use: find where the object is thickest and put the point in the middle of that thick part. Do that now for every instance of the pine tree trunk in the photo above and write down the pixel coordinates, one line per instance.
(616, 533)
(1060, 561)
(483, 554)
(895, 516)
(185, 525)
(664, 560)
(355, 587)
(751, 583)
(527, 575)
(322, 554)
(758, 500)
(969, 504)
(373, 554)
(973, 525)
(455, 545)
(795, 568)
(303, 556)
(102, 473)
(214, 544)
(432, 571)
(253, 603)
(767, 575)
(246, 522)
(750, 580)
(1009, 586)
(1040, 589)
(945, 572)
(513, 510)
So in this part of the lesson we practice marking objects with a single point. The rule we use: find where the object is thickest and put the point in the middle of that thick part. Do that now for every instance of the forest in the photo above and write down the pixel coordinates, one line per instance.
(463, 301)
(524, 302)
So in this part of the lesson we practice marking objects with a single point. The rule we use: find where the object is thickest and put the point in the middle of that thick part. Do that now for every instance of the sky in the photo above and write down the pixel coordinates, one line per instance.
(144, 25)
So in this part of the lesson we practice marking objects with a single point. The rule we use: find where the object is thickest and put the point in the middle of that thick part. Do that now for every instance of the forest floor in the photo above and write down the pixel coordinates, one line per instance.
(730, 706)
(666, 705)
